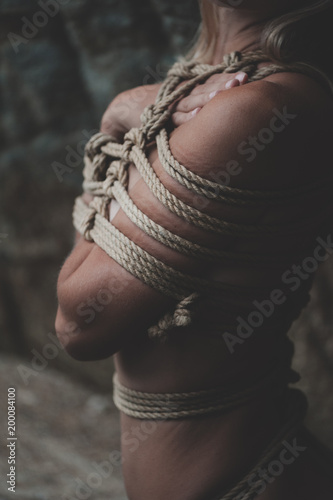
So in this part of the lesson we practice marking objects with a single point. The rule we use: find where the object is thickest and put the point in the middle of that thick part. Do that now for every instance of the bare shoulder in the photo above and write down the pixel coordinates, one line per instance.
(305, 90)
(124, 111)
(258, 101)
(269, 124)
(139, 94)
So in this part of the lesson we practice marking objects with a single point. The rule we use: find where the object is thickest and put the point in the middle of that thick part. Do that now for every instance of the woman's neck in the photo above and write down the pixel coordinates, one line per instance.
(239, 30)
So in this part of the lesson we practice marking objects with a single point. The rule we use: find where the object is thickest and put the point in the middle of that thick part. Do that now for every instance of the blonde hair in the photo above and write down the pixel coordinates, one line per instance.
(300, 37)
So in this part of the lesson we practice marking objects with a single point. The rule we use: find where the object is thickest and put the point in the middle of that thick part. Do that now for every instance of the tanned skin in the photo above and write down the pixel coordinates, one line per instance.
(194, 459)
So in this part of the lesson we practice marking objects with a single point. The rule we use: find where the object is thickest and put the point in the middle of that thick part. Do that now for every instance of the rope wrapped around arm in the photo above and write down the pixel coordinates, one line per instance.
(106, 178)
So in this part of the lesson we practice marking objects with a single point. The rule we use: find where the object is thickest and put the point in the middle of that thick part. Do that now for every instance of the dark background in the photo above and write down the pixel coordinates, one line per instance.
(58, 73)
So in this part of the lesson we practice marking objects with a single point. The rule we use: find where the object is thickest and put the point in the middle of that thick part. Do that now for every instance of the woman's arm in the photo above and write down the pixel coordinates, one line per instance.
(124, 112)
(207, 144)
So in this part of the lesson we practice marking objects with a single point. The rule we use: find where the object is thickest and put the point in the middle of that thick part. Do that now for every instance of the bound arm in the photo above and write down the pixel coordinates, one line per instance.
(125, 110)
(101, 306)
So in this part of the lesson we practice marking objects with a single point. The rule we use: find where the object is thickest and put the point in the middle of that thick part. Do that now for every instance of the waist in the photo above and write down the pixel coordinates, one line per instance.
(145, 405)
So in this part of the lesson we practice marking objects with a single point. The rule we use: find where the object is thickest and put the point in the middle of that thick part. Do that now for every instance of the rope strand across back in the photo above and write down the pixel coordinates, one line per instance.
(106, 178)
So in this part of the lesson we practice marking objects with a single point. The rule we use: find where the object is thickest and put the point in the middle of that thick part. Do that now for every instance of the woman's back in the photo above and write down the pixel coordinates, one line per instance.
(192, 359)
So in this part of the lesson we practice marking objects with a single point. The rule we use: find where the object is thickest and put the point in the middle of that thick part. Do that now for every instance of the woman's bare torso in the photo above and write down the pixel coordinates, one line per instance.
(187, 459)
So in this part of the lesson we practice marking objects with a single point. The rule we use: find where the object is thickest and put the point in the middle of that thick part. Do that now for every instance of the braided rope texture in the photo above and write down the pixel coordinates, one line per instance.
(175, 406)
(171, 406)
(106, 178)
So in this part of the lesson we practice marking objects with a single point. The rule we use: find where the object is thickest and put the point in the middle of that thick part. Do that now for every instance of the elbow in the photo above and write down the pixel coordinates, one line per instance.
(69, 335)
(82, 342)
(110, 123)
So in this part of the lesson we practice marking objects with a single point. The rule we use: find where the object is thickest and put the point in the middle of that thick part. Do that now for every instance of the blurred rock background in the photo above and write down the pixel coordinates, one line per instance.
(56, 80)
(61, 63)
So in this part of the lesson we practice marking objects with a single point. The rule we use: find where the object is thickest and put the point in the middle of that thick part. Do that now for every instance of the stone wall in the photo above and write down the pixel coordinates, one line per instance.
(61, 63)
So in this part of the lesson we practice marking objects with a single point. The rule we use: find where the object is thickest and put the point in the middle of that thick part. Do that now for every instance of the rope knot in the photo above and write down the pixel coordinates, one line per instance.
(96, 142)
(97, 205)
(148, 114)
(96, 160)
(134, 137)
(122, 173)
(183, 314)
(232, 58)
(89, 223)
(162, 114)
(116, 171)
(181, 317)
(182, 70)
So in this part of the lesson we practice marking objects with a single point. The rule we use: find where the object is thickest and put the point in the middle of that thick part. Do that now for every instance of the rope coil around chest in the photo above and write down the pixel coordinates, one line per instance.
(106, 178)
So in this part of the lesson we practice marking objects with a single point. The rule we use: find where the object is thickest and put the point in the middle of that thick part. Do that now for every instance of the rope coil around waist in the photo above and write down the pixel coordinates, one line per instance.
(175, 406)
(106, 178)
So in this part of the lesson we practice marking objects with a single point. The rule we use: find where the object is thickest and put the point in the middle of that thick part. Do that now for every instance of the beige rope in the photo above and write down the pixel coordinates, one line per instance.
(106, 178)
(175, 406)
(172, 406)
(219, 192)
(192, 215)
(144, 266)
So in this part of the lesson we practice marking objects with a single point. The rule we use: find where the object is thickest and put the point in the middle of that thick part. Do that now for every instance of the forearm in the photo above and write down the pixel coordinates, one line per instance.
(82, 322)
(68, 321)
